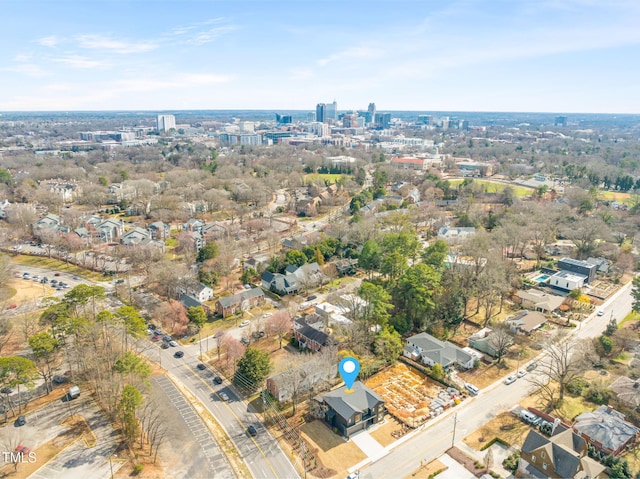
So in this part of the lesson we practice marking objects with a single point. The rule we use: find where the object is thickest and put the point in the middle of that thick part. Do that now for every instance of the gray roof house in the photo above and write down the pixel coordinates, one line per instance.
(110, 230)
(353, 411)
(453, 234)
(135, 236)
(606, 429)
(240, 301)
(159, 230)
(537, 300)
(564, 455)
(279, 283)
(433, 351)
(627, 390)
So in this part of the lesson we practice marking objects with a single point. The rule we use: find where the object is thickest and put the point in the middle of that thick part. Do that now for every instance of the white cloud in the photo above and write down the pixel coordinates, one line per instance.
(77, 61)
(28, 69)
(50, 41)
(99, 42)
(208, 36)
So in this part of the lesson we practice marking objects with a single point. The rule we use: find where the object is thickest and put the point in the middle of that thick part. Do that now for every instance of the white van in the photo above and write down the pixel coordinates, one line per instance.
(74, 392)
(529, 417)
(472, 389)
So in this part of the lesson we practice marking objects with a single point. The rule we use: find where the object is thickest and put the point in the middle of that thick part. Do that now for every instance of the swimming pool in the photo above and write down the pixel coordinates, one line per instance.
(541, 278)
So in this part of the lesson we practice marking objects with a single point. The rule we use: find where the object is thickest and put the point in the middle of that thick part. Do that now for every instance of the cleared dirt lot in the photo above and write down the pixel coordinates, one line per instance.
(407, 393)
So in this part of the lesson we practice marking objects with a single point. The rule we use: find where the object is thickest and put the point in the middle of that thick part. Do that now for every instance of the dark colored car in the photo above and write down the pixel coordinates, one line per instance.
(21, 421)
(312, 297)
(57, 274)
(178, 354)
(201, 367)
(532, 366)
(164, 345)
(252, 431)
(217, 380)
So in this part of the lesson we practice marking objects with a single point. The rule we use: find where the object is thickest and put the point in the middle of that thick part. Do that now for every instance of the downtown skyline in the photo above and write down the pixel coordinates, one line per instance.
(550, 56)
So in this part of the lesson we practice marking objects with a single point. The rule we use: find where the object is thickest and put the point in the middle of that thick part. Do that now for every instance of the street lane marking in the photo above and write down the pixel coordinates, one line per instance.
(244, 427)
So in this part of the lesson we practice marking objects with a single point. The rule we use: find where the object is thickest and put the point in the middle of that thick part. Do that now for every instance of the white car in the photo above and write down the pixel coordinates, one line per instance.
(510, 379)
(244, 323)
(601, 312)
(223, 395)
(522, 373)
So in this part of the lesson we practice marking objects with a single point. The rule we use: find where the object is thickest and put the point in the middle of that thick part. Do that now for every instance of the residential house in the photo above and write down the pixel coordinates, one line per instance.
(332, 313)
(195, 237)
(191, 302)
(353, 411)
(201, 292)
(563, 455)
(578, 267)
(567, 281)
(306, 377)
(279, 283)
(346, 266)
(481, 340)
(159, 230)
(50, 221)
(311, 338)
(193, 224)
(452, 234)
(606, 429)
(67, 190)
(537, 300)
(307, 276)
(110, 230)
(602, 265)
(432, 351)
(239, 302)
(526, 322)
(214, 231)
(135, 236)
(258, 264)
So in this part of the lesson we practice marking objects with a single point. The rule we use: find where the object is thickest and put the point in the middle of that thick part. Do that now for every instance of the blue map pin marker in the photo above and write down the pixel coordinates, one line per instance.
(349, 369)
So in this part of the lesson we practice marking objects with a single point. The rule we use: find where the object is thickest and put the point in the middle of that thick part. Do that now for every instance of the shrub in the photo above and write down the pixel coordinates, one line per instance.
(137, 469)
(511, 462)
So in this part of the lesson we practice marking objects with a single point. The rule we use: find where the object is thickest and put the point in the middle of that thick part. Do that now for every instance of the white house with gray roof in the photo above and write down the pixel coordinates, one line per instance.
(432, 351)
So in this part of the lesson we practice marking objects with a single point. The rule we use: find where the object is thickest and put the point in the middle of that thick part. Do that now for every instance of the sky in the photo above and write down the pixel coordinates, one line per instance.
(458, 55)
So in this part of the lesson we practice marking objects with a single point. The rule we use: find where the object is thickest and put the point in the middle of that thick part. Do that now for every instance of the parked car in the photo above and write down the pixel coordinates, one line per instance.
(252, 431)
(23, 449)
(217, 380)
(57, 274)
(178, 354)
(164, 345)
(521, 373)
(244, 340)
(21, 421)
(312, 297)
(532, 366)
(244, 323)
(601, 312)
(473, 390)
(223, 395)
(510, 379)
(173, 344)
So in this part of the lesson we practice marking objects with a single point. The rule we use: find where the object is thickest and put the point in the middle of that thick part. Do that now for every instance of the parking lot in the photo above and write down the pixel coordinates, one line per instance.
(189, 449)
(80, 458)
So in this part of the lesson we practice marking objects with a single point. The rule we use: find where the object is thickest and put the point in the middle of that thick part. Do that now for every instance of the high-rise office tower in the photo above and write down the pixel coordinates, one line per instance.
(165, 122)
(561, 121)
(321, 110)
(371, 113)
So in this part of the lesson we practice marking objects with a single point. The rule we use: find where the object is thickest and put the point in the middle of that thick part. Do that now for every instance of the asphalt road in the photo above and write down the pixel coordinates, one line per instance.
(438, 435)
(262, 455)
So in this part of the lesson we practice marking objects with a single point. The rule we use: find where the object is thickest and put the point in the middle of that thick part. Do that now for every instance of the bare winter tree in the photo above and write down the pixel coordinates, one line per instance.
(500, 339)
(567, 361)
(279, 325)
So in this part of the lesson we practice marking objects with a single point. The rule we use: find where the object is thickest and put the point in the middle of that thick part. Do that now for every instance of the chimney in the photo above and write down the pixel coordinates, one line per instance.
(556, 423)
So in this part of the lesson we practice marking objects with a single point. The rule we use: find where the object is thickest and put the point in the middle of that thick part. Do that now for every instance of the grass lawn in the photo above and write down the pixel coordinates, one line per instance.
(505, 426)
(495, 187)
(633, 458)
(7, 292)
(330, 449)
(382, 434)
(616, 195)
(57, 265)
(632, 316)
(330, 177)
(425, 472)
(574, 406)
